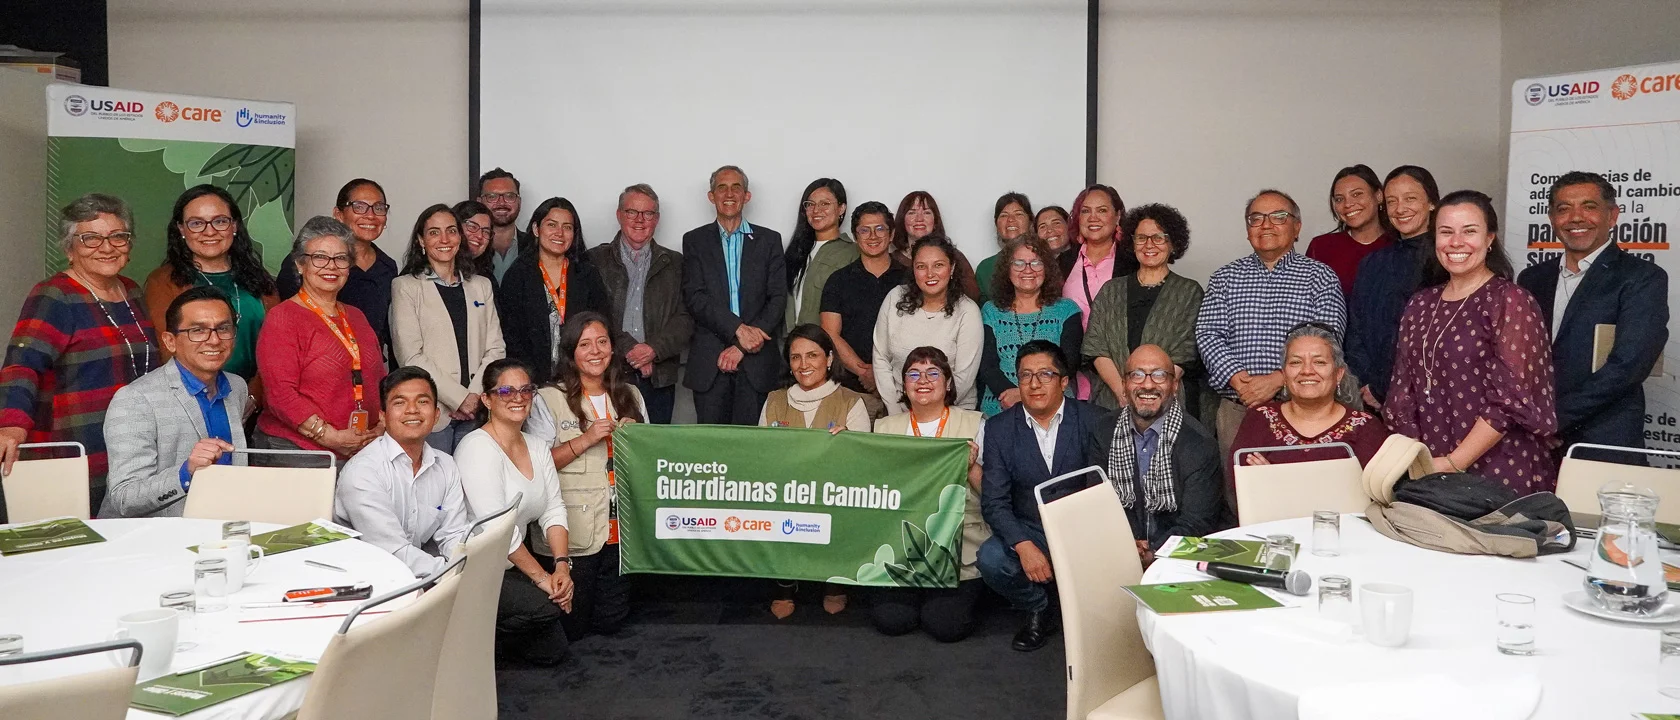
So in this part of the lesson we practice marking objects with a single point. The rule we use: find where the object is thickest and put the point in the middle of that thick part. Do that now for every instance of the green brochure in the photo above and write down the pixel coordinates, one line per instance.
(46, 535)
(1236, 552)
(184, 693)
(1656, 716)
(295, 537)
(1203, 596)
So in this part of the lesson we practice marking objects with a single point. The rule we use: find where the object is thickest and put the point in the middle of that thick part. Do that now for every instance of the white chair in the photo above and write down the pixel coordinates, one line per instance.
(466, 674)
(1111, 675)
(102, 694)
(386, 668)
(1579, 480)
(47, 488)
(1290, 490)
(288, 496)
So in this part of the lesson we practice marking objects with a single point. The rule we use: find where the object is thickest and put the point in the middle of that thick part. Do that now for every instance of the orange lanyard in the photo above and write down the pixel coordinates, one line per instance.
(340, 327)
(555, 291)
(612, 483)
(917, 427)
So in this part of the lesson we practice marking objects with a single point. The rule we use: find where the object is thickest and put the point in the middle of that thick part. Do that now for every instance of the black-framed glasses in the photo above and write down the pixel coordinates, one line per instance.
(1158, 375)
(1277, 217)
(639, 214)
(819, 204)
(1035, 264)
(1042, 377)
(220, 223)
(1156, 239)
(90, 240)
(199, 334)
(324, 261)
(361, 208)
(916, 376)
(501, 197)
(508, 392)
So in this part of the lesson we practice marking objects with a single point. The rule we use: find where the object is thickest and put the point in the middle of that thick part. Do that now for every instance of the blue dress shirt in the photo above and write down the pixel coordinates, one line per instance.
(212, 403)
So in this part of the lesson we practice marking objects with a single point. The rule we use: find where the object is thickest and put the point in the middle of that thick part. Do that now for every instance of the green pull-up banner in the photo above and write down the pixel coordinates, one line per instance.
(854, 508)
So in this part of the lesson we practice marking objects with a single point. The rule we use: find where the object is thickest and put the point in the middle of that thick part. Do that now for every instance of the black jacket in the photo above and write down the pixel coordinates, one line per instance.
(1013, 466)
(665, 319)
(1198, 481)
(522, 302)
(705, 283)
(1608, 406)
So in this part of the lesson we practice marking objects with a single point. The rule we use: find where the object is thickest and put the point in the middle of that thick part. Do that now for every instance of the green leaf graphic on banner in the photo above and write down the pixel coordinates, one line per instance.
(944, 527)
(256, 175)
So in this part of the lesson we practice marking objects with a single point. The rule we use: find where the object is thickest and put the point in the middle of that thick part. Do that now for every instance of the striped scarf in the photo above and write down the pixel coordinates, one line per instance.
(1157, 479)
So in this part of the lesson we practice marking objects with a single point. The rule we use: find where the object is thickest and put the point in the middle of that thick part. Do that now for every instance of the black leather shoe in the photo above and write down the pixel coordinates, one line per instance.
(1037, 631)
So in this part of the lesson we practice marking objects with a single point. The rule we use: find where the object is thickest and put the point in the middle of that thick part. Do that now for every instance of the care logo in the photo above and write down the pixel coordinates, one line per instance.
(168, 111)
(732, 524)
(76, 105)
(243, 117)
(1624, 87)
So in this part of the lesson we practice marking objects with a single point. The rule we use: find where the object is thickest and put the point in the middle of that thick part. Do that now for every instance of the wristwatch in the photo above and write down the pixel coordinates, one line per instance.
(562, 559)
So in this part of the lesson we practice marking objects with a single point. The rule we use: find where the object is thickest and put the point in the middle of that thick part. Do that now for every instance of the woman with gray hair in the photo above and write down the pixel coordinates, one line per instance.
(1313, 412)
(318, 357)
(82, 334)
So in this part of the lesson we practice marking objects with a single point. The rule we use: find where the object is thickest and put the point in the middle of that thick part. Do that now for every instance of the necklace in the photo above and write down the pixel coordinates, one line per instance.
(236, 298)
(136, 363)
(1431, 357)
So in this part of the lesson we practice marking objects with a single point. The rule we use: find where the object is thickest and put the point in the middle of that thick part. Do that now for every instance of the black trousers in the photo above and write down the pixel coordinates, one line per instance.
(661, 401)
(731, 400)
(528, 624)
(601, 596)
(948, 615)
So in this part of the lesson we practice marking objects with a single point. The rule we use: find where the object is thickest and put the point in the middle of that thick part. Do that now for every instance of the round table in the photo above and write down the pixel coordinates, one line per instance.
(1259, 664)
(73, 596)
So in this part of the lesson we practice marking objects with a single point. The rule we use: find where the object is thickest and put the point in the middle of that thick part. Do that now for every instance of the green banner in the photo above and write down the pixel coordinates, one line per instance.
(852, 508)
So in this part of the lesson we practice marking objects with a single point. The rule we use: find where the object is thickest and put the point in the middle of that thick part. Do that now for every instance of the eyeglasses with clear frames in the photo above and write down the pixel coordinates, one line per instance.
(220, 223)
(916, 376)
(120, 239)
(819, 204)
(471, 227)
(873, 230)
(198, 334)
(1158, 375)
(1035, 265)
(1278, 217)
(361, 208)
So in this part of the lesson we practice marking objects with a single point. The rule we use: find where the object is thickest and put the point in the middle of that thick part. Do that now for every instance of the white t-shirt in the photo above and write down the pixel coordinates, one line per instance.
(928, 429)
(600, 403)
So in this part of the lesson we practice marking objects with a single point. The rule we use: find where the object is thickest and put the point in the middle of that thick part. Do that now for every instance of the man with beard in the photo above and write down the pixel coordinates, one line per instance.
(499, 191)
(1593, 285)
(1163, 463)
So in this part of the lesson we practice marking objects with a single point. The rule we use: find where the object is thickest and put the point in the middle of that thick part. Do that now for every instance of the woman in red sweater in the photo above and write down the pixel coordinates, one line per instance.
(319, 359)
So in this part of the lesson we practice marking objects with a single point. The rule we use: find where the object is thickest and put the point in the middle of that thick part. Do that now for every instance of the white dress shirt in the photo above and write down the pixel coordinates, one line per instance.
(399, 510)
(1567, 283)
(491, 480)
(1046, 438)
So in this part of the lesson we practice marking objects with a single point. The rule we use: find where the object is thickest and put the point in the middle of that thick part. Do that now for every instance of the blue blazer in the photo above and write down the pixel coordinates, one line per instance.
(1607, 406)
(1013, 466)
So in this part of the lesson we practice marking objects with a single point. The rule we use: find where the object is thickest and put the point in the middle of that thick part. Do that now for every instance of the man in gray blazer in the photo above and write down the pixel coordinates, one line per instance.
(179, 418)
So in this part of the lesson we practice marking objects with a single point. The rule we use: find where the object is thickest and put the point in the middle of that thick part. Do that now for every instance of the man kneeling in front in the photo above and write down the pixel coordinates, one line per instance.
(401, 494)
(1163, 463)
(179, 418)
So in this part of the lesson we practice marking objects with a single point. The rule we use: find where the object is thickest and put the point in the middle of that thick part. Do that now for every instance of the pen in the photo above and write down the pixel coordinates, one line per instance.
(324, 566)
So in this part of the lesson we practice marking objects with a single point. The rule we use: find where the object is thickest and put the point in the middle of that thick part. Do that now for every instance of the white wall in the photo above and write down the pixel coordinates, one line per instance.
(23, 191)
(380, 85)
(1205, 103)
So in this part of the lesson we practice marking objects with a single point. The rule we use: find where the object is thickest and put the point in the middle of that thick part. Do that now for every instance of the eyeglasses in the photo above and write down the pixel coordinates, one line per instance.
(1152, 239)
(220, 223)
(819, 204)
(502, 197)
(1036, 265)
(873, 230)
(1278, 217)
(1158, 375)
(508, 392)
(1042, 377)
(916, 376)
(472, 227)
(362, 208)
(324, 261)
(639, 214)
(198, 334)
(120, 239)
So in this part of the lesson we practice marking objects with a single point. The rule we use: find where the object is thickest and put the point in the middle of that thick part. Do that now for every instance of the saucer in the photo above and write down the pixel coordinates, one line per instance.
(1668, 614)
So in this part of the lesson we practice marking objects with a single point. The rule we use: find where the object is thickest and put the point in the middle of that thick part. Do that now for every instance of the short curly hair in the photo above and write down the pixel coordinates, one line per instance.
(1172, 223)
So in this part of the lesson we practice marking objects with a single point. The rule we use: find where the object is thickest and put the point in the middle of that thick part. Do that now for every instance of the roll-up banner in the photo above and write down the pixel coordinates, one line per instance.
(1623, 123)
(147, 147)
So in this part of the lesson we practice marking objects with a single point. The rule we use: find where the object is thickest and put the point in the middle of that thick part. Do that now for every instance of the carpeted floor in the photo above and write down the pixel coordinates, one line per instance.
(694, 648)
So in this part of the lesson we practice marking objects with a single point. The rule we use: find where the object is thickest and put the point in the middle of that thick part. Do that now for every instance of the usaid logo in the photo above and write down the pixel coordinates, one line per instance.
(672, 522)
(1535, 94)
(76, 105)
(243, 117)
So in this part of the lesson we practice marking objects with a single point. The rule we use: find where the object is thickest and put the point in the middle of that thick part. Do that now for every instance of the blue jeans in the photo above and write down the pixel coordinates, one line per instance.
(1000, 567)
(446, 439)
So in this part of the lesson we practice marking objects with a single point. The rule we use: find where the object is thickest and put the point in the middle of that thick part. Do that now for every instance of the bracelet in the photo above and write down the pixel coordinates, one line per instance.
(575, 453)
(1453, 463)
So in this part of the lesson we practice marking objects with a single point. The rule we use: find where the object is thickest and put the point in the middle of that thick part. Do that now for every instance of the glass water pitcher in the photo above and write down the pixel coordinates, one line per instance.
(1625, 574)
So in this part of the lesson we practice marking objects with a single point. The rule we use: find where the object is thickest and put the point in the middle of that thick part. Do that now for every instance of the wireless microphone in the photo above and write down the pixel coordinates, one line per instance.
(1294, 582)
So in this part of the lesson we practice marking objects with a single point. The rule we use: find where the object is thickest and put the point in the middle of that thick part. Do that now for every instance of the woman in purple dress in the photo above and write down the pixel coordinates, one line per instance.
(1473, 366)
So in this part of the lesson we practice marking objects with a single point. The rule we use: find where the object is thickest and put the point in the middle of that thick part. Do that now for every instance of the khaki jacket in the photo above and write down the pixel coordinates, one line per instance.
(423, 335)
(963, 424)
(583, 482)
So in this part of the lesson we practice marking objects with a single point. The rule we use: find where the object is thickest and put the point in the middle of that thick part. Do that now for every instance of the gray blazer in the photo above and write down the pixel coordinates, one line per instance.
(150, 427)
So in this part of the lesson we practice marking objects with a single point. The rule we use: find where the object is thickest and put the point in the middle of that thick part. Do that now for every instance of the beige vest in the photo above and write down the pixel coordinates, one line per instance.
(583, 481)
(831, 412)
(964, 423)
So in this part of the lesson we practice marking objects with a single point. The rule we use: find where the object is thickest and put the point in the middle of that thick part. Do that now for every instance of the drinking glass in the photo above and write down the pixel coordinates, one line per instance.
(210, 585)
(11, 645)
(1279, 552)
(1516, 623)
(1335, 598)
(237, 530)
(181, 601)
(1327, 533)
(1668, 667)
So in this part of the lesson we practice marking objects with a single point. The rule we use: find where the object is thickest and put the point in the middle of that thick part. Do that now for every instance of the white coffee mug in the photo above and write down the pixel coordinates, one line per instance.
(1387, 613)
(155, 630)
(242, 559)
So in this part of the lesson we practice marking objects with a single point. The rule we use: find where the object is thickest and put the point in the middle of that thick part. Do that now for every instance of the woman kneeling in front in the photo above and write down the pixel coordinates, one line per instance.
(947, 615)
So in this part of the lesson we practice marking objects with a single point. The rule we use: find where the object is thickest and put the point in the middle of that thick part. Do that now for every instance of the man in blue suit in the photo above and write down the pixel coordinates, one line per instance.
(1039, 438)
(1596, 283)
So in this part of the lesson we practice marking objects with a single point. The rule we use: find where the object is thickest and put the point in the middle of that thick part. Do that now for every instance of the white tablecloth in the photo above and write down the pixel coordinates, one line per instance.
(1258, 664)
(73, 596)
